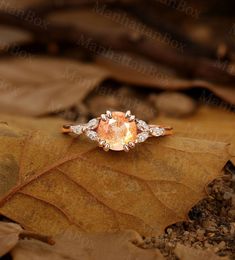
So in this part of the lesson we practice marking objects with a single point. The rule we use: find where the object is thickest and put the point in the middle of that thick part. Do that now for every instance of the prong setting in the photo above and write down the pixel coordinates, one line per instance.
(106, 147)
(102, 143)
(126, 148)
(131, 118)
(103, 117)
(128, 114)
(131, 145)
(109, 114)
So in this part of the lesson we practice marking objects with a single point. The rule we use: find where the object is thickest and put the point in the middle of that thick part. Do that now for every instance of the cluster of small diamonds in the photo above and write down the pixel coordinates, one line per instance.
(147, 131)
(88, 129)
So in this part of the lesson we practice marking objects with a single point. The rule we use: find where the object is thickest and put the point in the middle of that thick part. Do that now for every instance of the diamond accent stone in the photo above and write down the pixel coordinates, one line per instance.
(92, 124)
(77, 129)
(142, 137)
(117, 131)
(142, 125)
(157, 131)
(103, 117)
(131, 118)
(92, 135)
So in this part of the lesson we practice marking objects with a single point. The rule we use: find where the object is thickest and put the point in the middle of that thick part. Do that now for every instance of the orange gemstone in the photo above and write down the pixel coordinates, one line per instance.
(117, 131)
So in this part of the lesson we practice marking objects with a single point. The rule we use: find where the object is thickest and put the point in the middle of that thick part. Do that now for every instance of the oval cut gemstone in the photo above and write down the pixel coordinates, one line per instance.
(117, 131)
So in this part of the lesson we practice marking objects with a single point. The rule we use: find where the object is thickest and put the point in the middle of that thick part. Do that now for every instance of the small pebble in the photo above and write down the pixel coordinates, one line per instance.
(174, 104)
(227, 195)
(233, 201)
(231, 213)
(222, 245)
(169, 231)
(147, 240)
(232, 228)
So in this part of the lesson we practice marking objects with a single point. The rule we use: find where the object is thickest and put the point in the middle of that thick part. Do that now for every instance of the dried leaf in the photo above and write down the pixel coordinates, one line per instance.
(141, 72)
(210, 32)
(210, 123)
(15, 6)
(188, 253)
(9, 236)
(71, 245)
(63, 181)
(29, 86)
(74, 245)
(90, 19)
(12, 38)
(126, 67)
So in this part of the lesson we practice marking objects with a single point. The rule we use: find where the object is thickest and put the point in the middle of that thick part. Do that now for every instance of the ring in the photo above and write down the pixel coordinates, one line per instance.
(117, 131)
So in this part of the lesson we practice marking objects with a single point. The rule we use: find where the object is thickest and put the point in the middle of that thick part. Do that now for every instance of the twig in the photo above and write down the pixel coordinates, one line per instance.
(27, 234)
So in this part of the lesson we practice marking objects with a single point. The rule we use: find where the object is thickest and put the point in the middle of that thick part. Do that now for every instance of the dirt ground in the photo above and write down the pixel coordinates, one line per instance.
(211, 224)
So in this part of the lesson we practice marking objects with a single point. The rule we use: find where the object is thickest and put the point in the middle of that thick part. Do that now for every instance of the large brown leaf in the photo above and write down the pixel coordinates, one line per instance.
(29, 86)
(56, 181)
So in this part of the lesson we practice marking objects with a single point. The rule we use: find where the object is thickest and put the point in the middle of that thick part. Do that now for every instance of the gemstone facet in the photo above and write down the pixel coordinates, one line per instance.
(117, 131)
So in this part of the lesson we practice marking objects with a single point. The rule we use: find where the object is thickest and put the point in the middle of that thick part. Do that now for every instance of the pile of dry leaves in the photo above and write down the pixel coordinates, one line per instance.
(64, 198)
